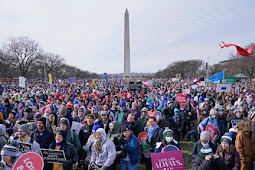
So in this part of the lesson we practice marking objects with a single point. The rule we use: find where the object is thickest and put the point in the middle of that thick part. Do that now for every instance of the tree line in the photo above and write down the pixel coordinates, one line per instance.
(191, 69)
(21, 56)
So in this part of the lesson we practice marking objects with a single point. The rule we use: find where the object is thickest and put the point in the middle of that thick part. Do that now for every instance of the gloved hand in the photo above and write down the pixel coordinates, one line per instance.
(103, 168)
(202, 129)
(122, 141)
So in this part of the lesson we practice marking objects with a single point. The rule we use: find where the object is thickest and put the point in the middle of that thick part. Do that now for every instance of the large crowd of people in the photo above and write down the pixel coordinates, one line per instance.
(113, 116)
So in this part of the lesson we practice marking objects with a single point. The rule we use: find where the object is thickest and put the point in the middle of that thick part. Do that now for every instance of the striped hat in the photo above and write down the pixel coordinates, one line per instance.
(252, 113)
(226, 138)
(205, 151)
(10, 149)
(167, 131)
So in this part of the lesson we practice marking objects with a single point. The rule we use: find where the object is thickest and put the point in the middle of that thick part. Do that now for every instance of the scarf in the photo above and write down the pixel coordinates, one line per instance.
(151, 131)
(61, 144)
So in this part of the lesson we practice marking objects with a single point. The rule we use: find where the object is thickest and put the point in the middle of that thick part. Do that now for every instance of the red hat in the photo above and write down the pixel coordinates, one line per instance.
(142, 95)
(57, 96)
(69, 105)
(62, 97)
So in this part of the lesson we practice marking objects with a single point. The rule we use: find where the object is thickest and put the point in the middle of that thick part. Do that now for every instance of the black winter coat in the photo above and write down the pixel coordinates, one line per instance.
(197, 147)
(201, 164)
(222, 124)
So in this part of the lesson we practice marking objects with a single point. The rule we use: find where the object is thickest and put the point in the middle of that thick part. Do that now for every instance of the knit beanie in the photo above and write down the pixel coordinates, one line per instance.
(22, 103)
(63, 133)
(10, 150)
(226, 138)
(166, 132)
(65, 121)
(205, 151)
(95, 127)
(176, 110)
(204, 135)
(123, 103)
(25, 127)
(42, 119)
(221, 109)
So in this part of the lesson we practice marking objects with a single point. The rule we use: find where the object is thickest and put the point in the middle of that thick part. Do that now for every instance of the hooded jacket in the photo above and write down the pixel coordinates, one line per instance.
(107, 154)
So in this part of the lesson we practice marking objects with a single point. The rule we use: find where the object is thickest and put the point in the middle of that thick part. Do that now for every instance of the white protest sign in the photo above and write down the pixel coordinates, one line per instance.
(22, 82)
(186, 91)
(76, 127)
(223, 88)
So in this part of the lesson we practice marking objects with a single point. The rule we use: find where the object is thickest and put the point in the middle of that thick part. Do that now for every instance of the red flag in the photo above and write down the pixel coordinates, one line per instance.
(240, 50)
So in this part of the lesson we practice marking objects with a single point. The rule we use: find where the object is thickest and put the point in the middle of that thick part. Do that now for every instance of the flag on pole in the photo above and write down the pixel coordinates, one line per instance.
(50, 78)
(216, 77)
(200, 82)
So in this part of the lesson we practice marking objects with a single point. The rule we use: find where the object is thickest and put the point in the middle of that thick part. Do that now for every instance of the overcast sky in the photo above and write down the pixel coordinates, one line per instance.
(89, 34)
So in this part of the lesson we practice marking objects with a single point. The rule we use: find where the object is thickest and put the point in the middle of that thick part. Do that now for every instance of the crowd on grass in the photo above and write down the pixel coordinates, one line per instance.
(112, 117)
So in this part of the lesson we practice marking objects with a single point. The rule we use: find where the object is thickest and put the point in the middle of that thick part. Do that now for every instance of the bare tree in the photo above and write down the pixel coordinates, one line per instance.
(23, 52)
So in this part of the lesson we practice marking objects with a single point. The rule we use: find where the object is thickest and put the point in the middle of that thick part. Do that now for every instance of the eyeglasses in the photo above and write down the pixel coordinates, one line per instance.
(144, 111)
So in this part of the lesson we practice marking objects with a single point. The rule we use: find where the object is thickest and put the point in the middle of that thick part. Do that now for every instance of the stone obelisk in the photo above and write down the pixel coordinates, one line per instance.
(126, 46)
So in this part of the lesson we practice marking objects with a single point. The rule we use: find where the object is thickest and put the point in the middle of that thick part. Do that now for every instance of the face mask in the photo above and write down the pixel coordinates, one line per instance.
(176, 114)
(169, 139)
(206, 145)
(213, 116)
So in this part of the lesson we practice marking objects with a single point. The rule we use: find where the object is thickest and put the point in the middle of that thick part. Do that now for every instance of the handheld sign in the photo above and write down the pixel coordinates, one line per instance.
(169, 148)
(213, 134)
(152, 114)
(181, 99)
(142, 136)
(53, 156)
(76, 127)
(25, 147)
(235, 122)
(167, 160)
(29, 161)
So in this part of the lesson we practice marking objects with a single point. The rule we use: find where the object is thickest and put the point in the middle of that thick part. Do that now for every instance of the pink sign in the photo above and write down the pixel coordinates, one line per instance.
(181, 99)
(213, 134)
(142, 136)
(152, 114)
(167, 160)
(29, 161)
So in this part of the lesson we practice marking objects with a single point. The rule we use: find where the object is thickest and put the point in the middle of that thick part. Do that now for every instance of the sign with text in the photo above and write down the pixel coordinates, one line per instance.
(53, 156)
(223, 88)
(181, 99)
(213, 134)
(235, 122)
(169, 148)
(29, 161)
(167, 160)
(25, 147)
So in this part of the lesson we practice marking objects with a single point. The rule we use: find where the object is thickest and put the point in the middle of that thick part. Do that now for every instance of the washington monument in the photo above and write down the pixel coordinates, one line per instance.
(126, 46)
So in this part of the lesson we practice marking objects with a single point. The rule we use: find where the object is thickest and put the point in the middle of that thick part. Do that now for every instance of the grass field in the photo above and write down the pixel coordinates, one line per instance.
(186, 147)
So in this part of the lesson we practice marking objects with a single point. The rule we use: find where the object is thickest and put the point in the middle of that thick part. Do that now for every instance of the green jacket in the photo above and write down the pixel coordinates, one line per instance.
(73, 138)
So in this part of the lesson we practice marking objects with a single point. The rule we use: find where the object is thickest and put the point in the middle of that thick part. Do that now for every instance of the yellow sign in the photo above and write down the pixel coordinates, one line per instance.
(93, 82)
(50, 78)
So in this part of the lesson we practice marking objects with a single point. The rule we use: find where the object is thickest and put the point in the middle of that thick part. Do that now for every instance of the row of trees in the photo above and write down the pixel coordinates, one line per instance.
(21, 56)
(187, 69)
(191, 69)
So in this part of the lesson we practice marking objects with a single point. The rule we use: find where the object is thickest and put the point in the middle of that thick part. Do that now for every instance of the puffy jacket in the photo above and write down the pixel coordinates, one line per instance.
(133, 149)
(70, 154)
(107, 154)
(73, 138)
(231, 159)
(200, 163)
(197, 147)
(222, 123)
(45, 139)
(207, 121)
